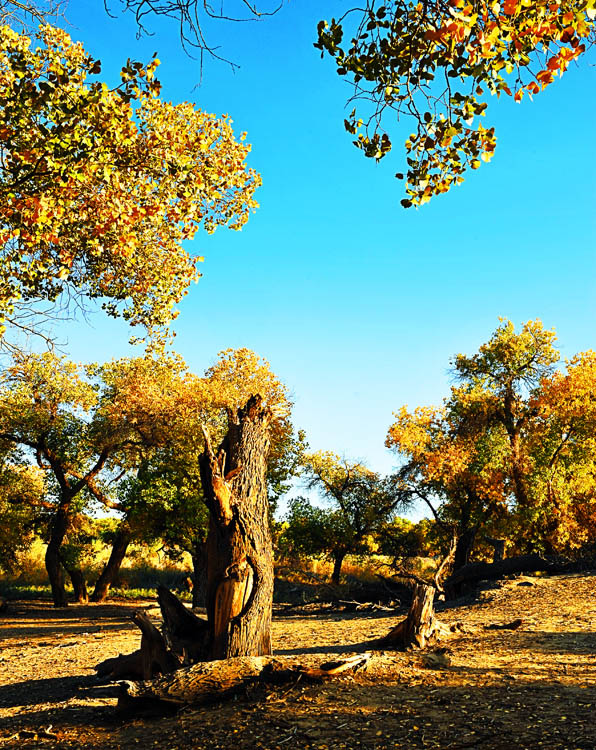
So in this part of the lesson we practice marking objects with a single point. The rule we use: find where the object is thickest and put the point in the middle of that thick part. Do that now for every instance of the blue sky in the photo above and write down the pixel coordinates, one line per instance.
(357, 303)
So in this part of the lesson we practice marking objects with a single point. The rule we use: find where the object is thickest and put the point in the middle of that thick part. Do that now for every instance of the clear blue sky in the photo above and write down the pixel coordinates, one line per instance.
(357, 303)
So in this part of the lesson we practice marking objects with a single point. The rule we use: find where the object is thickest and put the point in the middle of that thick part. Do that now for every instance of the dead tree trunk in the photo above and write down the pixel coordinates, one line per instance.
(112, 567)
(239, 550)
(156, 658)
(185, 633)
(212, 681)
(419, 626)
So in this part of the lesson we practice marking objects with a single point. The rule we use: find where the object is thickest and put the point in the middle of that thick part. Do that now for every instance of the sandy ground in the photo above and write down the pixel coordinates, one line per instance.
(533, 687)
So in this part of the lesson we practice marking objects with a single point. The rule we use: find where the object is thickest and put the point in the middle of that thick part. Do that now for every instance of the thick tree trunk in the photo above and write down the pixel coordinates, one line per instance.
(239, 550)
(338, 559)
(53, 560)
(419, 626)
(112, 567)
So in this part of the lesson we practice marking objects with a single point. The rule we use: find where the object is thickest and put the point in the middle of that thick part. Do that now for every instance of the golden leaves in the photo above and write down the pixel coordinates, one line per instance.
(113, 181)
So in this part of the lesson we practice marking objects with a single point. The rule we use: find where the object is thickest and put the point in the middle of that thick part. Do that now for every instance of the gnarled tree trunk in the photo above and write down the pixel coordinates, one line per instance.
(239, 550)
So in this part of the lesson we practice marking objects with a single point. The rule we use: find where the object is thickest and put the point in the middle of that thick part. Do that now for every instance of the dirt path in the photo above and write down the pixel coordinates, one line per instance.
(533, 687)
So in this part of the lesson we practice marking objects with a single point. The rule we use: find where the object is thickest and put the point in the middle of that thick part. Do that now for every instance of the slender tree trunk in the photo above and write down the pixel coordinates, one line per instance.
(78, 583)
(338, 558)
(53, 560)
(239, 550)
(498, 546)
(112, 567)
(464, 546)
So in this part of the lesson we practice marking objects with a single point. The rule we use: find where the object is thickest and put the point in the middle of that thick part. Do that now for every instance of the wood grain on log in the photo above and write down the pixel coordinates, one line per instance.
(207, 682)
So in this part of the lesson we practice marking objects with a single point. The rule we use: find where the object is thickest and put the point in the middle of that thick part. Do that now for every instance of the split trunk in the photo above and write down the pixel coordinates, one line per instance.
(239, 550)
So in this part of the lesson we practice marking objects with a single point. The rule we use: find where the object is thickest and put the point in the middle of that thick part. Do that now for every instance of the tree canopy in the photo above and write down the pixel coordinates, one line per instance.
(511, 452)
(437, 63)
(100, 186)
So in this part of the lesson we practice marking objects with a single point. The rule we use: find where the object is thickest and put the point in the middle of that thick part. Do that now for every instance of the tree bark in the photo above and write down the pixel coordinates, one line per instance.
(112, 567)
(419, 626)
(338, 559)
(239, 550)
(53, 561)
(156, 658)
(185, 633)
(212, 681)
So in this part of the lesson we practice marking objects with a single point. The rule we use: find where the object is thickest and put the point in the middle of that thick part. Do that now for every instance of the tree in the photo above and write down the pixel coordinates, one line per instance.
(83, 430)
(239, 550)
(511, 451)
(193, 16)
(361, 502)
(100, 187)
(437, 62)
(433, 62)
(22, 489)
(508, 369)
(455, 463)
(167, 407)
(562, 513)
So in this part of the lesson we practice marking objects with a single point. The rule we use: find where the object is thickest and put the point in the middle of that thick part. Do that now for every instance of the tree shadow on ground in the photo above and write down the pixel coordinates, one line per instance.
(369, 714)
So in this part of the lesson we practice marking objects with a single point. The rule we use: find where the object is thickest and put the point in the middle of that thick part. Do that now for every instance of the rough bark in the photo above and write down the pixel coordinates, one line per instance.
(112, 567)
(419, 627)
(239, 550)
(53, 560)
(199, 568)
(212, 681)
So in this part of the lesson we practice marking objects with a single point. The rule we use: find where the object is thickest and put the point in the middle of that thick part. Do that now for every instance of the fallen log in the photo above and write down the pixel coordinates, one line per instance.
(481, 571)
(212, 681)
